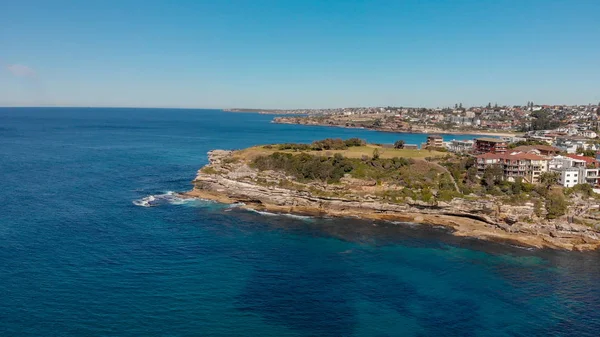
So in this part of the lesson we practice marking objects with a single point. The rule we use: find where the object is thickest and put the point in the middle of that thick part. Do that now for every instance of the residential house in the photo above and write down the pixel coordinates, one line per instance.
(575, 170)
(558, 162)
(587, 134)
(571, 144)
(569, 176)
(589, 161)
(590, 176)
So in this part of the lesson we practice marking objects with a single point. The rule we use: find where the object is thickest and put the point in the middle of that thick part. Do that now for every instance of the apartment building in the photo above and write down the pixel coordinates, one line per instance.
(490, 145)
(460, 146)
(527, 166)
(434, 141)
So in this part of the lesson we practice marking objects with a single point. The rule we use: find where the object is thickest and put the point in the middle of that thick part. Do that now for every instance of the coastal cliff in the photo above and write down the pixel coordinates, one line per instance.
(230, 177)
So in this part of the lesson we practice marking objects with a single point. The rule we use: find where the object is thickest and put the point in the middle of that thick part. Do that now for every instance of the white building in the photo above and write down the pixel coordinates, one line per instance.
(460, 146)
(571, 145)
(569, 176)
(559, 162)
(587, 134)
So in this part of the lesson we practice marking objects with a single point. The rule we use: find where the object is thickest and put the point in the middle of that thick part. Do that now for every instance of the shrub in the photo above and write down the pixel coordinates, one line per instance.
(537, 208)
(209, 170)
(320, 145)
(446, 195)
(426, 194)
(355, 142)
(375, 154)
(583, 189)
(556, 205)
(305, 166)
(399, 144)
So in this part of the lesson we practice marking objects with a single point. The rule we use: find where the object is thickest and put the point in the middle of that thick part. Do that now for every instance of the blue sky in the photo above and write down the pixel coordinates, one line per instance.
(298, 53)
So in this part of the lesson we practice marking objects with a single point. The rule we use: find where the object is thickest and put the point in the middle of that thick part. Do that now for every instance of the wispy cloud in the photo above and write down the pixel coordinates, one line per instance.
(20, 70)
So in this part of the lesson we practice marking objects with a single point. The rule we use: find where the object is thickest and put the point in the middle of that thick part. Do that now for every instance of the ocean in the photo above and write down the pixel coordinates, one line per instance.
(81, 256)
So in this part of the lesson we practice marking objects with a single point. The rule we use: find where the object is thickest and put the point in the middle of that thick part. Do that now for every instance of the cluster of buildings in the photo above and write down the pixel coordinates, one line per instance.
(577, 118)
(530, 162)
(526, 162)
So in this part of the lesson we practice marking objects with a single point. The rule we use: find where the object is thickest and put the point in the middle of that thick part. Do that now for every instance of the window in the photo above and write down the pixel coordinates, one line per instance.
(568, 181)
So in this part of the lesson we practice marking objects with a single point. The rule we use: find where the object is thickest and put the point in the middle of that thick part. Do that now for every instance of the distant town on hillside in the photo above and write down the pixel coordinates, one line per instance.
(516, 118)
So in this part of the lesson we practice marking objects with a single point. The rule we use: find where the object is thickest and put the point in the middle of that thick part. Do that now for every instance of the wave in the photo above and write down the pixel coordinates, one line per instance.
(289, 215)
(170, 197)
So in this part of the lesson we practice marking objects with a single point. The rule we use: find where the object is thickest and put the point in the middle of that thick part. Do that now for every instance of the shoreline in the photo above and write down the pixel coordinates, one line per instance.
(458, 225)
(425, 132)
(228, 179)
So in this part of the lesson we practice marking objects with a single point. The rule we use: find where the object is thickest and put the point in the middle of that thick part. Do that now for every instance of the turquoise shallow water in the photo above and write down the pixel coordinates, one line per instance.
(78, 258)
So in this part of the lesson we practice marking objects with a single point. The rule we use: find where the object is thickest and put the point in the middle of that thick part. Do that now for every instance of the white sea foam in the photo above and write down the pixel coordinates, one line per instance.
(263, 212)
(296, 216)
(404, 223)
(166, 198)
(289, 215)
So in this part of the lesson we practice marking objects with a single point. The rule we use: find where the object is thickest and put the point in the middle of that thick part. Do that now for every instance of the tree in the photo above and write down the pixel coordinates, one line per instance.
(375, 154)
(472, 174)
(492, 175)
(537, 208)
(543, 120)
(548, 179)
(556, 205)
(589, 153)
(517, 186)
(399, 144)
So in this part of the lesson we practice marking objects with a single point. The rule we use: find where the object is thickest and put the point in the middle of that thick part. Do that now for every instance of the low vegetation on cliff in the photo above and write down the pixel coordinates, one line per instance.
(352, 178)
(398, 174)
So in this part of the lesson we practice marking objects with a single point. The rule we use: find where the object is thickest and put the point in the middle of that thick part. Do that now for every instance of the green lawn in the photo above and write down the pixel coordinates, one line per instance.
(352, 152)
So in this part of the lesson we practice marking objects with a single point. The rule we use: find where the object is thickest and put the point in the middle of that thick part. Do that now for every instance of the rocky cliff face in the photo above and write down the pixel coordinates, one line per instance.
(228, 179)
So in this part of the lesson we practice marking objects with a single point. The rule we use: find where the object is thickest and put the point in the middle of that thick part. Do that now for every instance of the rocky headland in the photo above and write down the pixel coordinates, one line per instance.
(231, 177)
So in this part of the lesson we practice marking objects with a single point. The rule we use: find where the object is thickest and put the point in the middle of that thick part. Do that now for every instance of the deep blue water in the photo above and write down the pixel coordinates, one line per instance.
(78, 258)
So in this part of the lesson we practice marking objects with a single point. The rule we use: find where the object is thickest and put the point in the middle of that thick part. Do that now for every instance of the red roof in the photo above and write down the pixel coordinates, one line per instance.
(528, 156)
(541, 148)
(511, 156)
(490, 156)
(589, 160)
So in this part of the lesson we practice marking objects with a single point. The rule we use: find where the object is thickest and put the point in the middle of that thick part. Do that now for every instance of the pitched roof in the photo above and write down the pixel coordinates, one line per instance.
(490, 156)
(546, 148)
(587, 159)
(522, 155)
(511, 156)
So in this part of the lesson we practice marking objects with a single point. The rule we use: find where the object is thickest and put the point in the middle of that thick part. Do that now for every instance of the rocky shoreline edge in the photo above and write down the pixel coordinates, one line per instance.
(290, 120)
(231, 182)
